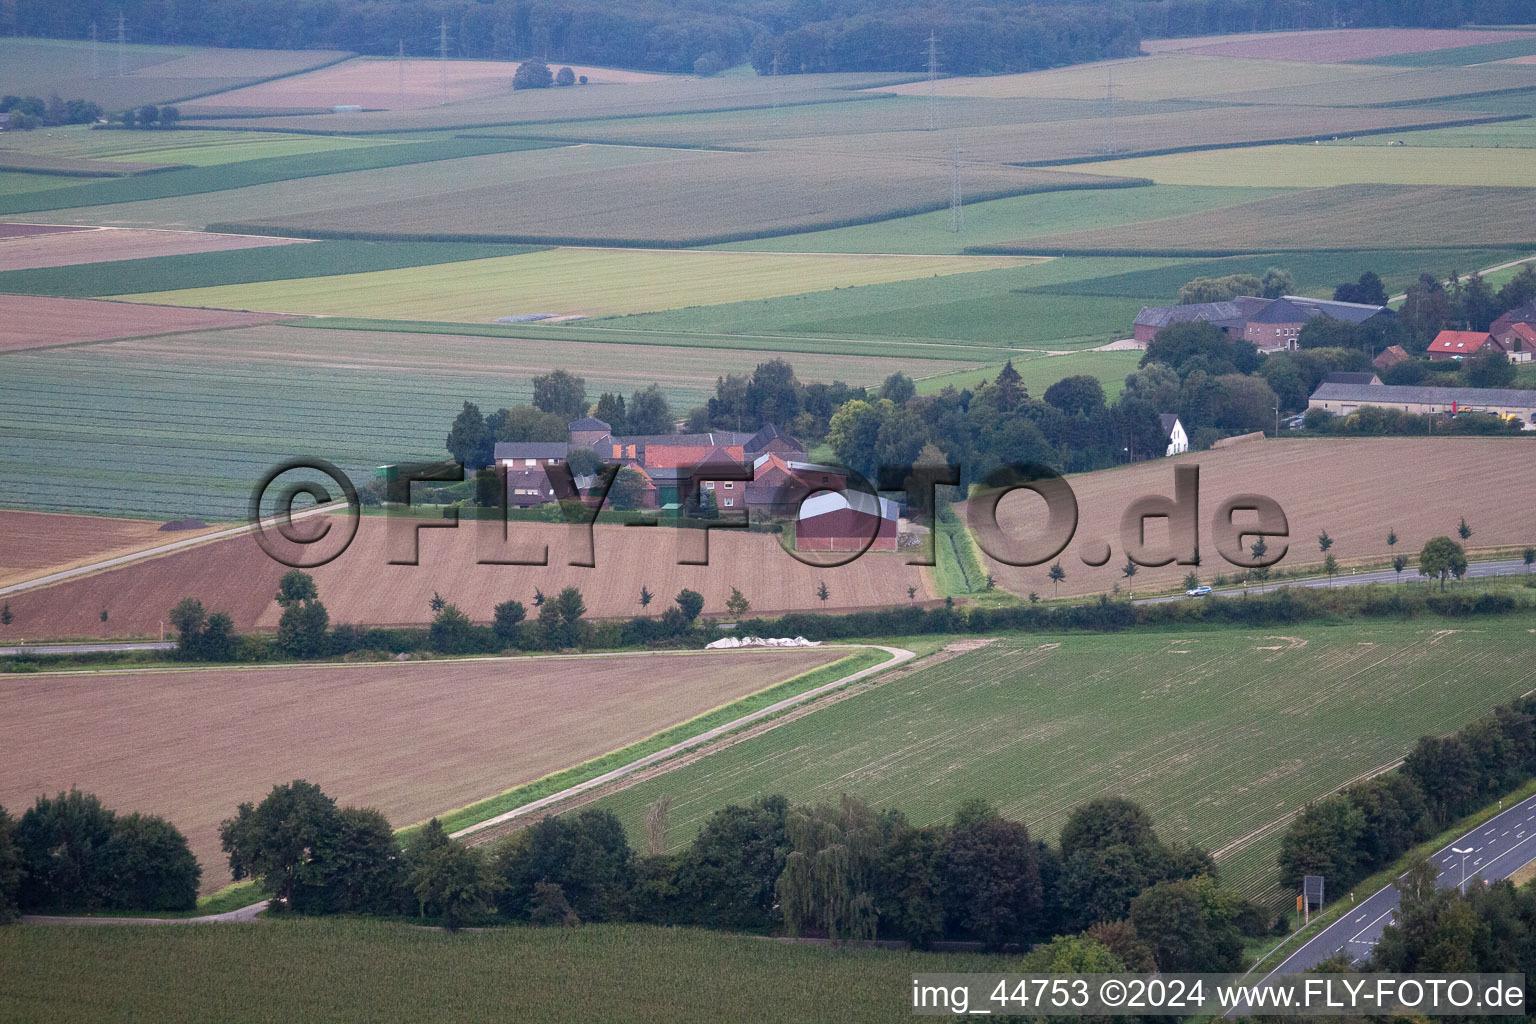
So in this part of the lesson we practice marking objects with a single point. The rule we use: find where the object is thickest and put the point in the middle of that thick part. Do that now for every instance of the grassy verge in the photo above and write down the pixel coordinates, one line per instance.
(1381, 879)
(957, 569)
(553, 783)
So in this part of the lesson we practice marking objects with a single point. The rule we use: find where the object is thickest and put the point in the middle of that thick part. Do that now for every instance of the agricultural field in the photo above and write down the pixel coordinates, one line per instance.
(38, 543)
(1400, 86)
(1358, 507)
(575, 282)
(103, 245)
(30, 322)
(131, 75)
(385, 84)
(164, 149)
(236, 576)
(1220, 734)
(258, 260)
(1299, 166)
(337, 970)
(1341, 217)
(435, 736)
(1340, 46)
(1040, 372)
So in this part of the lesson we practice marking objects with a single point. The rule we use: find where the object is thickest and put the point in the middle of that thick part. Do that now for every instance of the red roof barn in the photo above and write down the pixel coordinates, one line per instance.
(845, 521)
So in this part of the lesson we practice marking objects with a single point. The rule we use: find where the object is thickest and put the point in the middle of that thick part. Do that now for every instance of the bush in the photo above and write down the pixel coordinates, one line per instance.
(565, 77)
(532, 74)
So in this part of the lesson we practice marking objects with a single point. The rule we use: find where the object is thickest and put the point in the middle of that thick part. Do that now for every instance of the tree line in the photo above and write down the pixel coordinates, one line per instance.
(70, 854)
(1367, 826)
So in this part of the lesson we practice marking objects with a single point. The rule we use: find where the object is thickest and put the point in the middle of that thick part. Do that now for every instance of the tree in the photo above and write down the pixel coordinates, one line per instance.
(646, 597)
(169, 116)
(550, 908)
(1324, 542)
(911, 593)
(6, 616)
(1081, 394)
(560, 394)
(301, 630)
(451, 631)
(507, 621)
(727, 877)
(451, 881)
(1399, 563)
(1191, 581)
(188, 618)
(1330, 566)
(610, 409)
(532, 74)
(275, 841)
(898, 388)
(691, 602)
(1529, 554)
(1129, 569)
(737, 603)
(525, 423)
(708, 64)
(1391, 538)
(219, 637)
(1442, 557)
(1189, 926)
(1463, 530)
(564, 77)
(1276, 282)
(10, 868)
(469, 440)
(437, 602)
(148, 114)
(538, 598)
(992, 878)
(1489, 370)
(822, 592)
(649, 412)
(586, 854)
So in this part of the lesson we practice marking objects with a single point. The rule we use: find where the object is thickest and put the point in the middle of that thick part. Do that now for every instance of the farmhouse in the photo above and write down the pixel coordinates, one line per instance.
(1390, 357)
(524, 464)
(1460, 344)
(1273, 325)
(1518, 343)
(1173, 429)
(1522, 314)
(845, 521)
(1509, 403)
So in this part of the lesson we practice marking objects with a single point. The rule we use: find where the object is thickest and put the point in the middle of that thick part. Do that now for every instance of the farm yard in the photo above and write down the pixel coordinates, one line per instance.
(1221, 735)
(235, 576)
(1358, 508)
(575, 282)
(37, 543)
(411, 740)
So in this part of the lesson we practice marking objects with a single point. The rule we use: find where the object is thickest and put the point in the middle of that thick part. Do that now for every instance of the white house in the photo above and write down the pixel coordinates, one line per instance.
(1178, 440)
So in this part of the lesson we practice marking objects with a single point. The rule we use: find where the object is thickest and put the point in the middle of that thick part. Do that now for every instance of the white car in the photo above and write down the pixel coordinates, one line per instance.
(1199, 591)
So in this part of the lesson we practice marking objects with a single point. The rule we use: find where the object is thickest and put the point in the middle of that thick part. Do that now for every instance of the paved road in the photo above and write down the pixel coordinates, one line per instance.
(1500, 847)
(104, 648)
(1475, 570)
(241, 916)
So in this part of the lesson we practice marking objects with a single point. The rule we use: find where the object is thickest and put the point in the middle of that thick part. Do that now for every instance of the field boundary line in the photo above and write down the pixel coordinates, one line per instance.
(899, 656)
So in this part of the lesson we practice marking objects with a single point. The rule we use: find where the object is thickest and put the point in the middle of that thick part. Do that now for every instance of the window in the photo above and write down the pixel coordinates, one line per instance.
(729, 502)
(709, 485)
(530, 462)
(728, 485)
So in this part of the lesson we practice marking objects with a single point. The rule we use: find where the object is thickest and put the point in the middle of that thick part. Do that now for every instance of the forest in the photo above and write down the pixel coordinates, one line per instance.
(976, 37)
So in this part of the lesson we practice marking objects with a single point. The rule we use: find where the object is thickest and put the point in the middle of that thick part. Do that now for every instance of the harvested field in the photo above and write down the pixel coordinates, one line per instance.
(237, 577)
(385, 84)
(412, 739)
(1083, 139)
(34, 544)
(568, 281)
(1352, 488)
(1399, 85)
(33, 230)
(41, 322)
(1318, 166)
(154, 74)
(1162, 77)
(1219, 734)
(699, 197)
(1334, 46)
(1342, 217)
(65, 247)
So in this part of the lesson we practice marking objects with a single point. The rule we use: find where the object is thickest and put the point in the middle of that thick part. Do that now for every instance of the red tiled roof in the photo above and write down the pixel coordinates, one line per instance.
(670, 456)
(1459, 342)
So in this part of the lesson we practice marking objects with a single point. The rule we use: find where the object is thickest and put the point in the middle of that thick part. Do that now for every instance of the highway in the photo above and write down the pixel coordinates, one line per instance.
(1475, 570)
(1499, 847)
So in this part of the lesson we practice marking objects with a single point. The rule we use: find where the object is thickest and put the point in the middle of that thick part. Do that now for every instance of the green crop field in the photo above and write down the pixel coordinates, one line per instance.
(198, 148)
(14, 182)
(1501, 135)
(1341, 217)
(1219, 733)
(151, 74)
(242, 266)
(343, 970)
(167, 196)
(568, 281)
(1007, 220)
(1313, 166)
(1460, 55)
(186, 425)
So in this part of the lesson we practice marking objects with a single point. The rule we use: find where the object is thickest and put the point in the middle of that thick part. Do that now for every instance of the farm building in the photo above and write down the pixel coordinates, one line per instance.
(1273, 325)
(1173, 429)
(1346, 377)
(1460, 344)
(1518, 342)
(523, 464)
(845, 521)
(1522, 314)
(1509, 403)
(779, 485)
(1390, 357)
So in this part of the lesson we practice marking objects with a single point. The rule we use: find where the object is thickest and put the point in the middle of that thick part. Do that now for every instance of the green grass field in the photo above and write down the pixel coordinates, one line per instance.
(1459, 55)
(1502, 135)
(569, 281)
(1006, 220)
(242, 266)
(1219, 733)
(196, 148)
(340, 970)
(1315, 166)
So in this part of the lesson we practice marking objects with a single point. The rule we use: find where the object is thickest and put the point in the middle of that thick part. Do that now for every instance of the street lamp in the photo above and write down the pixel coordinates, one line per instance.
(1457, 849)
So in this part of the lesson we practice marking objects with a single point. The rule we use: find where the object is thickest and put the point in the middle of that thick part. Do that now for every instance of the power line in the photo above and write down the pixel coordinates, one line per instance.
(1109, 115)
(442, 58)
(933, 79)
(400, 76)
(122, 37)
(956, 200)
(95, 53)
(773, 89)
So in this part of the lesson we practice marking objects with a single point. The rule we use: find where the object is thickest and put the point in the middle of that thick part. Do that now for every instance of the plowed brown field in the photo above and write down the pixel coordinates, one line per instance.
(66, 247)
(235, 576)
(1358, 489)
(34, 544)
(412, 739)
(29, 321)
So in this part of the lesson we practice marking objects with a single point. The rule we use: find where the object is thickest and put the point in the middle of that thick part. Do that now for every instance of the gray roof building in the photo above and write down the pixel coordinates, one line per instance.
(1342, 399)
(531, 450)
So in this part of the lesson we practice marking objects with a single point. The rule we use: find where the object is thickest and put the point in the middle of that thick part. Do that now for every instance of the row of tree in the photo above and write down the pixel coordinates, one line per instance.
(29, 112)
(1363, 829)
(69, 853)
(840, 870)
